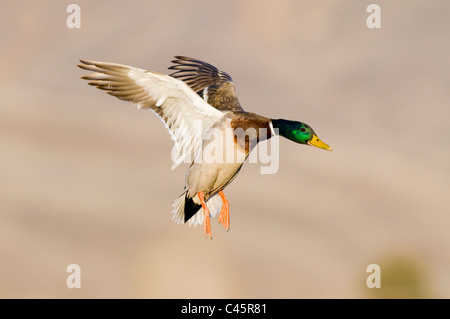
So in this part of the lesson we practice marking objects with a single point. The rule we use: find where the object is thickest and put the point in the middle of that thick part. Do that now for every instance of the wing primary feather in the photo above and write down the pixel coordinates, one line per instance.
(172, 100)
(200, 75)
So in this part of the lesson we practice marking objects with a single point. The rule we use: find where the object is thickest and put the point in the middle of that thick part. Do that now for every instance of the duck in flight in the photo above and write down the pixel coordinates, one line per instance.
(194, 101)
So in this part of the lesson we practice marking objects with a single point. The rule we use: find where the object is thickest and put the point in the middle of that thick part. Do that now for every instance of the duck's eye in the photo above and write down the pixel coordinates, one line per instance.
(303, 129)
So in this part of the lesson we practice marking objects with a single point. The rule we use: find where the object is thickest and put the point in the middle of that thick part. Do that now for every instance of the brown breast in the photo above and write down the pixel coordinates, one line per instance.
(249, 130)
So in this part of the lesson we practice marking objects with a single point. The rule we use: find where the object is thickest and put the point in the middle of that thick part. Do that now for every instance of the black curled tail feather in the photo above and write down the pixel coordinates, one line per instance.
(190, 208)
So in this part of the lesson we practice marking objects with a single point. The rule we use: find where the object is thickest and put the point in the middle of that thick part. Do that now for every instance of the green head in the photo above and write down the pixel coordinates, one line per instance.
(299, 132)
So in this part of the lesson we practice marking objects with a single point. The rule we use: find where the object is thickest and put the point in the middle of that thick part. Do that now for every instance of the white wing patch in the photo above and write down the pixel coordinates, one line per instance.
(205, 94)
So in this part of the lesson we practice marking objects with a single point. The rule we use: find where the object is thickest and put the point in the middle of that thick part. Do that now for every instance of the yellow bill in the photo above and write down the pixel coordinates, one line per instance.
(317, 142)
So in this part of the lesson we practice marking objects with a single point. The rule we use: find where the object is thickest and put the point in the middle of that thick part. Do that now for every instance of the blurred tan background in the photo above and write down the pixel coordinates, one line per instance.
(85, 178)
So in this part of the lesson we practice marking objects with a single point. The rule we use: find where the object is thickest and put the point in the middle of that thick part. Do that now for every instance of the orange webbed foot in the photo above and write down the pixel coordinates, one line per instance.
(224, 216)
(207, 221)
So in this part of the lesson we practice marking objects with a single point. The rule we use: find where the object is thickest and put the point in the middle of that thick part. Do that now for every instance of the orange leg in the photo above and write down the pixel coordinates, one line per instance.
(224, 216)
(207, 221)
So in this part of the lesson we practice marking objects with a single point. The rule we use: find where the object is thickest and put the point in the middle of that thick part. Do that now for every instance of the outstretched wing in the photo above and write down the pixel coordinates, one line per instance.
(184, 113)
(214, 86)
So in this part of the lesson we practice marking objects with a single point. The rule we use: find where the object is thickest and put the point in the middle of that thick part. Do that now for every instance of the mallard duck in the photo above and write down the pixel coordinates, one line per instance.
(193, 101)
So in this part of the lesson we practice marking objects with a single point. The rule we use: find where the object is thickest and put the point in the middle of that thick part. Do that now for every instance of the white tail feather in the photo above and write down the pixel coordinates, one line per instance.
(214, 205)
